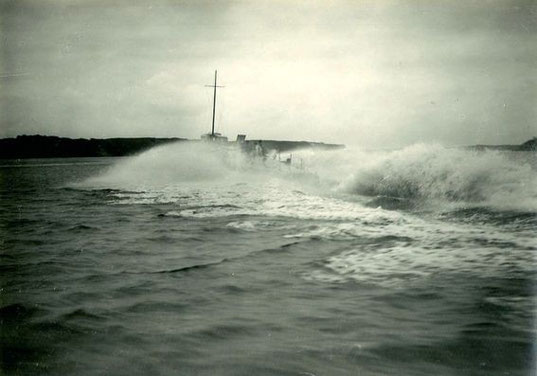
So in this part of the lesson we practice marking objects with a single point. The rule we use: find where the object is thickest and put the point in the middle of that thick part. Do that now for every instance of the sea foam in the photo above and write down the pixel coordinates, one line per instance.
(432, 173)
(421, 174)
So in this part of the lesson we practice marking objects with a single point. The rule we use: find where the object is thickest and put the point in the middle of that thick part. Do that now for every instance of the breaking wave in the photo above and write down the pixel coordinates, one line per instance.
(432, 173)
(172, 164)
(402, 179)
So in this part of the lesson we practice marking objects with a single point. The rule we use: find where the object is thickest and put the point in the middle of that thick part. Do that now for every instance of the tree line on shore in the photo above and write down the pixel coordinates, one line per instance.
(37, 146)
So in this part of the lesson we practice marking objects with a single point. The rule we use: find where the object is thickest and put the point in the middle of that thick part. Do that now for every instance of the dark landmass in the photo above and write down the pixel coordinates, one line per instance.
(530, 145)
(60, 147)
(37, 146)
(22, 147)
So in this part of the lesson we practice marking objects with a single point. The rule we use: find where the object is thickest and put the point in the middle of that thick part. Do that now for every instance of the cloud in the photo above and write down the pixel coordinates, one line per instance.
(378, 73)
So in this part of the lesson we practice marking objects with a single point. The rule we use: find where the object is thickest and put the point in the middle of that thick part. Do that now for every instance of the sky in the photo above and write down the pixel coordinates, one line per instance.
(368, 73)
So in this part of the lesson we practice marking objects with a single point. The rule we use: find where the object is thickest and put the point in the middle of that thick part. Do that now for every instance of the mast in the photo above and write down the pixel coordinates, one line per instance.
(214, 101)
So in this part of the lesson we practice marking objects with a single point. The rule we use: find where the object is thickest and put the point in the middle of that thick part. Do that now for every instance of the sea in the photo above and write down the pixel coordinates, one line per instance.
(197, 259)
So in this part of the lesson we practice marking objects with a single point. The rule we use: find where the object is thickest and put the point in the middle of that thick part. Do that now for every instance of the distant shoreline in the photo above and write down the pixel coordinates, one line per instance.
(37, 146)
(530, 145)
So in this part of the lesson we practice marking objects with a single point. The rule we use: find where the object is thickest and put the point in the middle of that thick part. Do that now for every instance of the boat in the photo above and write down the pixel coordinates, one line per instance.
(256, 151)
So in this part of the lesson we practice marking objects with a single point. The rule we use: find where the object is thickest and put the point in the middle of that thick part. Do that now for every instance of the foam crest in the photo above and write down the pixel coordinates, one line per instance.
(420, 175)
(398, 255)
(434, 173)
(182, 162)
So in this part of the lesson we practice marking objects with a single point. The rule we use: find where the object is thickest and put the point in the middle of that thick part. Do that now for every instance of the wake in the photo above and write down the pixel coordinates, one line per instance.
(417, 175)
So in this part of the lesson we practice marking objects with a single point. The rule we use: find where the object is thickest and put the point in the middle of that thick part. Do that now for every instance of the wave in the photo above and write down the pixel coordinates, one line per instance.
(171, 164)
(410, 178)
(193, 164)
(432, 173)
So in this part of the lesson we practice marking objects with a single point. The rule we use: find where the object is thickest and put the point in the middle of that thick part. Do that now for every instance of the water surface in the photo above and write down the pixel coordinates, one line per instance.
(198, 261)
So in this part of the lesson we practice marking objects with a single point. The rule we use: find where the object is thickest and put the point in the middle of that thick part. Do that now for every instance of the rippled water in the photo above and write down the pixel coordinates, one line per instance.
(193, 260)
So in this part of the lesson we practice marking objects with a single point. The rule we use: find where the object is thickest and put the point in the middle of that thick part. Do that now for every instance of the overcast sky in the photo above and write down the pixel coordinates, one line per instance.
(370, 73)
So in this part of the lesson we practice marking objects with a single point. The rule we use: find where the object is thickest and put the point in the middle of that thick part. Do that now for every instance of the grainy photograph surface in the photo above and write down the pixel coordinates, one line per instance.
(268, 187)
